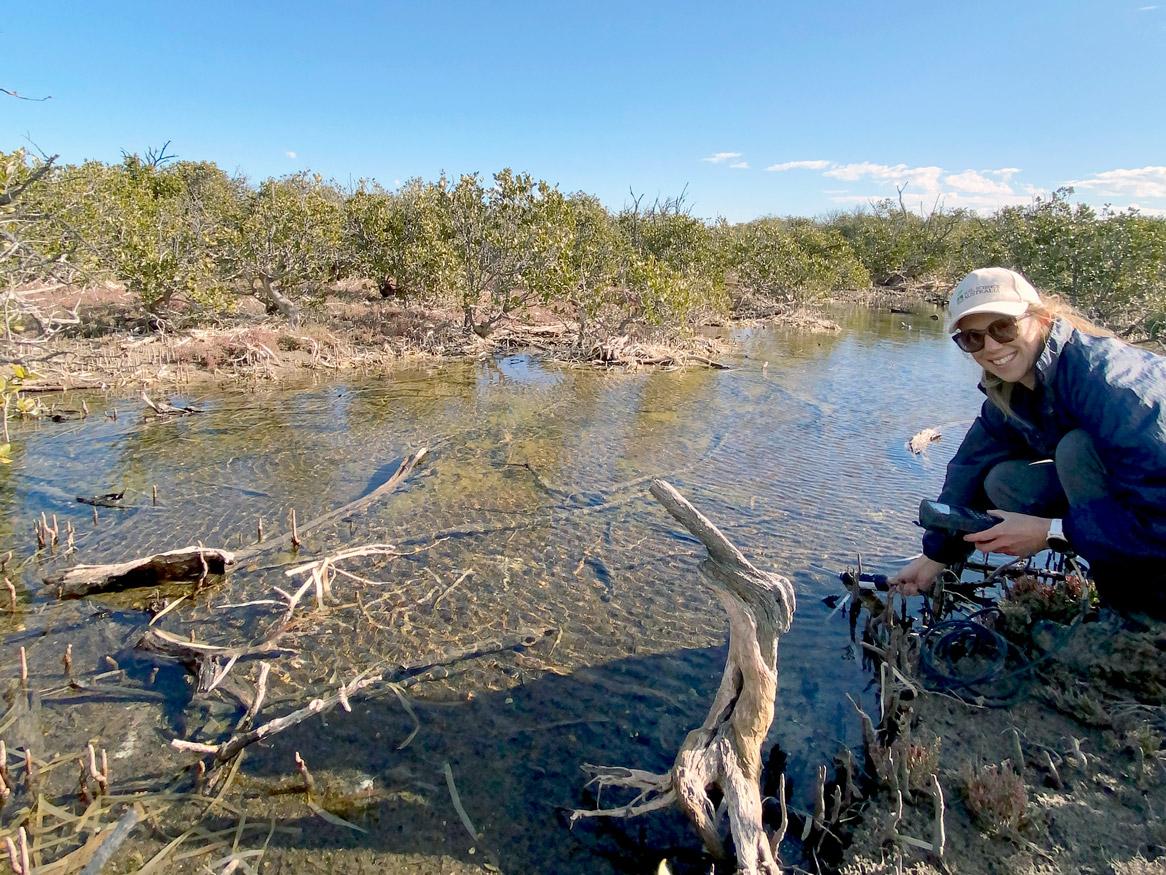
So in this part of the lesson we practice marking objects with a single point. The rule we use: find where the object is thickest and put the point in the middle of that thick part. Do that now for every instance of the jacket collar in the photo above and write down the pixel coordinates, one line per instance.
(1046, 363)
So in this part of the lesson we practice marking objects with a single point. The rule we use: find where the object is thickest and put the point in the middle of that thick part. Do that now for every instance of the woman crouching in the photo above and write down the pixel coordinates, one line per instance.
(1069, 450)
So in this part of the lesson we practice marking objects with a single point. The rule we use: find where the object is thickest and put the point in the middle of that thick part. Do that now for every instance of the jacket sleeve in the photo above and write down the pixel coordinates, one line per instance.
(989, 441)
(1121, 403)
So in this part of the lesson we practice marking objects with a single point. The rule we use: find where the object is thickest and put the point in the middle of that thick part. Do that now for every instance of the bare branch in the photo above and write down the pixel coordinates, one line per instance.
(19, 96)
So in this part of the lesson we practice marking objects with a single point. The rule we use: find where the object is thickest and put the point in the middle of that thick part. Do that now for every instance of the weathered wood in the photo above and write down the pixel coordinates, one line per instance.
(186, 563)
(725, 751)
(163, 643)
(921, 440)
(399, 476)
(364, 686)
(165, 408)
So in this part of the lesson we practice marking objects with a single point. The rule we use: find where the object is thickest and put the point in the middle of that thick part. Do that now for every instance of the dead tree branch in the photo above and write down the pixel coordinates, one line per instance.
(725, 752)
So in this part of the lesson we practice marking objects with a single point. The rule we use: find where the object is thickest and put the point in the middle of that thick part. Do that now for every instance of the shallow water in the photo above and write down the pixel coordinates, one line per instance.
(537, 483)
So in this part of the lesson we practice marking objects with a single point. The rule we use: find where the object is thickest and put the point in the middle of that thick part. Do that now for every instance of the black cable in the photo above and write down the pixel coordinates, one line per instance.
(945, 645)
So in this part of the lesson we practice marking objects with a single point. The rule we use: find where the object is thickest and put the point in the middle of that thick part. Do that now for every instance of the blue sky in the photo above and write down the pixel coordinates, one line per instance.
(795, 108)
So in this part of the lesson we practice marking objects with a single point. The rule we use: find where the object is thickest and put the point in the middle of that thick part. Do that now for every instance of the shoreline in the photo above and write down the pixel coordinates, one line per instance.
(116, 346)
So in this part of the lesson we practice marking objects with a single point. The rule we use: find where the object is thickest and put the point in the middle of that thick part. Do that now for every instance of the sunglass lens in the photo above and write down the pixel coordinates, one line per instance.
(1002, 331)
(969, 341)
(972, 340)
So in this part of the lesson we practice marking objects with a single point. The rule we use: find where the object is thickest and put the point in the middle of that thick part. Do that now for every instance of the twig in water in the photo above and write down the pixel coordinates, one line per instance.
(457, 802)
(451, 588)
(114, 840)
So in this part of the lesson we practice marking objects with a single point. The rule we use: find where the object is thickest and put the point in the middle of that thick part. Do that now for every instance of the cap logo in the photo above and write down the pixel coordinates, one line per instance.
(977, 291)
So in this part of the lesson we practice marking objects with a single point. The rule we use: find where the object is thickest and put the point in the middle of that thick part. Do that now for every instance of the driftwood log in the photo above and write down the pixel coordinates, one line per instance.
(921, 440)
(186, 563)
(725, 751)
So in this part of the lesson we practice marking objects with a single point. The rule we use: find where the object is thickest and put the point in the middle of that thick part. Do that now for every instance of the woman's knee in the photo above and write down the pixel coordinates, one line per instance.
(1001, 485)
(1024, 487)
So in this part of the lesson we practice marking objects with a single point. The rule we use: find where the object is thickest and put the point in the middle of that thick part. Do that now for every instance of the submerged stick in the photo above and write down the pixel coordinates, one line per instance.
(366, 685)
(726, 750)
(456, 799)
(399, 476)
(114, 840)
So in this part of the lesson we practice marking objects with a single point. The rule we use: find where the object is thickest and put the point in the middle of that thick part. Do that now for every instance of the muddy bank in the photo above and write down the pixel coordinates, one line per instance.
(114, 344)
(1064, 773)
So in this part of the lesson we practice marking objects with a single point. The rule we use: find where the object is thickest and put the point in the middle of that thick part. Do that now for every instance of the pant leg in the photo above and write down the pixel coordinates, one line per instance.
(1049, 487)
(1026, 487)
(1079, 468)
(1127, 587)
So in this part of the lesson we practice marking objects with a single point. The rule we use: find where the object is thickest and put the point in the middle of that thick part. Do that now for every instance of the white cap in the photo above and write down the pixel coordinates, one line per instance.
(990, 290)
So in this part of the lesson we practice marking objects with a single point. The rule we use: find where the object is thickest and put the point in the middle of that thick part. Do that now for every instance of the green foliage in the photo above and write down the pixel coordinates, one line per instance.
(1110, 265)
(403, 236)
(893, 242)
(13, 401)
(155, 228)
(510, 243)
(185, 232)
(596, 252)
(25, 240)
(675, 264)
(795, 259)
(288, 238)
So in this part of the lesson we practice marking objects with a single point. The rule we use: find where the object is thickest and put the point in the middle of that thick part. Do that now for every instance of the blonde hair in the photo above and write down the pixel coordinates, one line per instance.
(1050, 308)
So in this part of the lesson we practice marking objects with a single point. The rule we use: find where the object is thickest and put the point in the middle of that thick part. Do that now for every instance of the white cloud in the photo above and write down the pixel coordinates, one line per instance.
(951, 200)
(924, 179)
(1139, 182)
(973, 182)
(740, 165)
(798, 165)
(1147, 8)
(290, 154)
(721, 157)
(985, 191)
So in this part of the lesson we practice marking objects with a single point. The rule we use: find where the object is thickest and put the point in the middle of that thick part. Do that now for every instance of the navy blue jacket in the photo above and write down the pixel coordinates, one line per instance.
(1116, 393)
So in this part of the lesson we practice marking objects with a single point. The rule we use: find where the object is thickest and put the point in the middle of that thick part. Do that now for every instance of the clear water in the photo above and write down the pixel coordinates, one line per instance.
(798, 454)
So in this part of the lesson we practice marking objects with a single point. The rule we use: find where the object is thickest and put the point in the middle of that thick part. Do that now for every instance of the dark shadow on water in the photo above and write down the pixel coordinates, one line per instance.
(516, 757)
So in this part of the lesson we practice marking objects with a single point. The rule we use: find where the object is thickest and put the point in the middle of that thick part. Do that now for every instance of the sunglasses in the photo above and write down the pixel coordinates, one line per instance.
(1003, 330)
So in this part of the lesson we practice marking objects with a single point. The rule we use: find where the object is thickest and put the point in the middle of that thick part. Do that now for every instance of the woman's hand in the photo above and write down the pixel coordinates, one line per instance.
(1018, 534)
(918, 576)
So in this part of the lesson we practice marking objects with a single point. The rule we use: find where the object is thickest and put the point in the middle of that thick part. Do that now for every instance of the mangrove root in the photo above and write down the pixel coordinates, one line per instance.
(186, 563)
(725, 751)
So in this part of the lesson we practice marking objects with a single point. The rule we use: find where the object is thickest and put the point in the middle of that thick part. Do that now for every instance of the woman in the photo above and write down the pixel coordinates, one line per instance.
(1069, 447)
